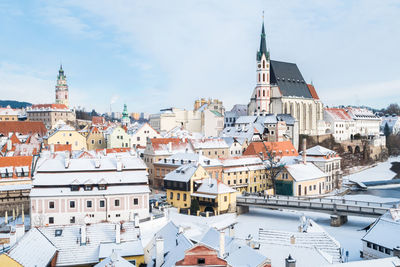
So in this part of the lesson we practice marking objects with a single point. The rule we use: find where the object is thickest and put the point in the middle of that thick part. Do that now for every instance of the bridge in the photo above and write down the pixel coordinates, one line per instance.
(339, 209)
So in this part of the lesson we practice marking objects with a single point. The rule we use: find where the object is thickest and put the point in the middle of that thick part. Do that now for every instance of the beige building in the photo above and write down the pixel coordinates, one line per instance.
(211, 104)
(66, 135)
(8, 114)
(211, 147)
(95, 139)
(50, 114)
(302, 179)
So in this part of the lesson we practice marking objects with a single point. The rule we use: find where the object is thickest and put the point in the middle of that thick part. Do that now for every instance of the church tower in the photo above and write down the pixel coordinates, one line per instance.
(62, 88)
(125, 116)
(260, 100)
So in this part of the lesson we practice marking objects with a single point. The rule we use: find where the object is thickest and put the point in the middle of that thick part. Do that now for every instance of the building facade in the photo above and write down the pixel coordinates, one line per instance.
(66, 135)
(62, 89)
(95, 139)
(89, 190)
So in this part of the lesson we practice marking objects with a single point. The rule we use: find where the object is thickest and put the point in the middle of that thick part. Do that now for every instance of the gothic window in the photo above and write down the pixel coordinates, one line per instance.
(263, 77)
(263, 92)
(258, 93)
(259, 78)
(263, 64)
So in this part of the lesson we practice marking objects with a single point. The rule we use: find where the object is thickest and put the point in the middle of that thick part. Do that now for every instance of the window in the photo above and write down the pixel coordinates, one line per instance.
(138, 138)
(74, 187)
(88, 187)
(184, 197)
(102, 187)
(135, 201)
(89, 203)
(201, 261)
(381, 249)
(102, 203)
(315, 187)
(117, 215)
(51, 220)
(310, 187)
(99, 142)
(51, 205)
(375, 247)
(178, 196)
(387, 251)
(225, 198)
(116, 203)
(171, 195)
(229, 182)
(72, 219)
(58, 232)
(92, 141)
(72, 204)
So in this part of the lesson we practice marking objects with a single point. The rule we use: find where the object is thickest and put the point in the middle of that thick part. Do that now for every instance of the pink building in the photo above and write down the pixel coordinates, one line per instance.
(68, 190)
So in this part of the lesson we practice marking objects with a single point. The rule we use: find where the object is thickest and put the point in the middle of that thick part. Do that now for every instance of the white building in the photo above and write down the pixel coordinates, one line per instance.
(77, 190)
(393, 123)
(342, 125)
(232, 115)
(382, 239)
(366, 122)
(140, 132)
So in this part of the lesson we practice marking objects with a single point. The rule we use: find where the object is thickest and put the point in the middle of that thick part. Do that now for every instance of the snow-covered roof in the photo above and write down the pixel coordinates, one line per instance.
(182, 174)
(209, 143)
(338, 114)
(385, 231)
(175, 245)
(268, 119)
(184, 158)
(320, 151)
(384, 262)
(361, 114)
(110, 190)
(33, 249)
(128, 248)
(114, 260)
(303, 172)
(241, 161)
(71, 252)
(246, 119)
(213, 186)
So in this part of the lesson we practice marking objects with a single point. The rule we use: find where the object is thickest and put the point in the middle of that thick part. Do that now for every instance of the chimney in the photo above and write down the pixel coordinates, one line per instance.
(9, 145)
(232, 231)
(19, 231)
(248, 240)
(119, 164)
(221, 244)
(117, 233)
(52, 149)
(159, 251)
(97, 163)
(290, 262)
(292, 240)
(13, 238)
(169, 147)
(304, 151)
(83, 235)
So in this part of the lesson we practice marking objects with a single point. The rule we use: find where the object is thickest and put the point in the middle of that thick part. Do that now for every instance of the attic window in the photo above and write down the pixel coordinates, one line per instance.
(58, 232)
(74, 187)
(201, 261)
(102, 187)
(88, 187)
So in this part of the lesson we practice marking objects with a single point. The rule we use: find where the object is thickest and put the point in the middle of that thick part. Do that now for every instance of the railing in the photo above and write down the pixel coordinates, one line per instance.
(322, 204)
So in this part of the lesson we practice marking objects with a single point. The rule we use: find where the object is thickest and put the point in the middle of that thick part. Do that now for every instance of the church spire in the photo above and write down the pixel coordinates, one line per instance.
(263, 44)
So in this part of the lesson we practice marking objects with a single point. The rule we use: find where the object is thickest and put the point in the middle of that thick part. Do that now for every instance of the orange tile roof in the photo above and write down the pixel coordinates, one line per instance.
(338, 113)
(114, 150)
(284, 148)
(17, 161)
(312, 90)
(158, 143)
(22, 127)
(60, 147)
(98, 120)
(52, 106)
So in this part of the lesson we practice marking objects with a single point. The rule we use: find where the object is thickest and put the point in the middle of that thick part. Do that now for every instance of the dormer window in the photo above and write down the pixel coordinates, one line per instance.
(102, 187)
(88, 187)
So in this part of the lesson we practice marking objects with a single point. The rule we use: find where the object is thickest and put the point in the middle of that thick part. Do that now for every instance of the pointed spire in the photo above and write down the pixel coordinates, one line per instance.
(263, 43)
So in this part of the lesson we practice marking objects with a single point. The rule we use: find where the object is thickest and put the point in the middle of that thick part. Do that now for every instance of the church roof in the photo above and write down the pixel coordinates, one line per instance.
(289, 79)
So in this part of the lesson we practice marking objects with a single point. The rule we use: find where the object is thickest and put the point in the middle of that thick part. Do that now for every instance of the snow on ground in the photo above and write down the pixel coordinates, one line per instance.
(349, 234)
(380, 172)
(369, 198)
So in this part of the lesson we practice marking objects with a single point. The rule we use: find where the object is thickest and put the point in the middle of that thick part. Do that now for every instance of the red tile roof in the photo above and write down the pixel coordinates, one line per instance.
(280, 149)
(114, 150)
(313, 92)
(51, 106)
(22, 127)
(159, 143)
(338, 113)
(98, 120)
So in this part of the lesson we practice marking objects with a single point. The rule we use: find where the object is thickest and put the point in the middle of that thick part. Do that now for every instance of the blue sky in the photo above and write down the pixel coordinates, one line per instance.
(156, 54)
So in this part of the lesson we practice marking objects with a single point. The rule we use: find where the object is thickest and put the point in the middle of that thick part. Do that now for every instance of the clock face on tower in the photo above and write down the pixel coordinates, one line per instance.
(259, 65)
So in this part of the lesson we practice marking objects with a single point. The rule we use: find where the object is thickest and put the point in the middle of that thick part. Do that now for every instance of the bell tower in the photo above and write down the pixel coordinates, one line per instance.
(260, 100)
(62, 88)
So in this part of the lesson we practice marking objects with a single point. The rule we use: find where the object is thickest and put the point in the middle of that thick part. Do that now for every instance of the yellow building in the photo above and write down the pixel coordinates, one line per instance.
(215, 196)
(302, 179)
(180, 184)
(8, 114)
(245, 174)
(67, 135)
(192, 182)
(95, 139)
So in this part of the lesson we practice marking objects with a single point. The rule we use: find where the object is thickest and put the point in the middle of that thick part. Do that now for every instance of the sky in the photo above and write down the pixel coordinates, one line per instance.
(157, 54)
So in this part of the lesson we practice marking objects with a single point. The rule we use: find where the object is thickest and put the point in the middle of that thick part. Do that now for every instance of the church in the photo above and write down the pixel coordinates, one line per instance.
(281, 89)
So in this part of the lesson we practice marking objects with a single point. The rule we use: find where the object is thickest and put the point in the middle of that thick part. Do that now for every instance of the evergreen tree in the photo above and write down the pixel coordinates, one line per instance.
(194, 206)
(386, 130)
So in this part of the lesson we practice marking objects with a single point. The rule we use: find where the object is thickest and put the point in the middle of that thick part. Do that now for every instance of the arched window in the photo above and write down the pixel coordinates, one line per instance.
(258, 93)
(259, 78)
(263, 92)
(263, 77)
(263, 64)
